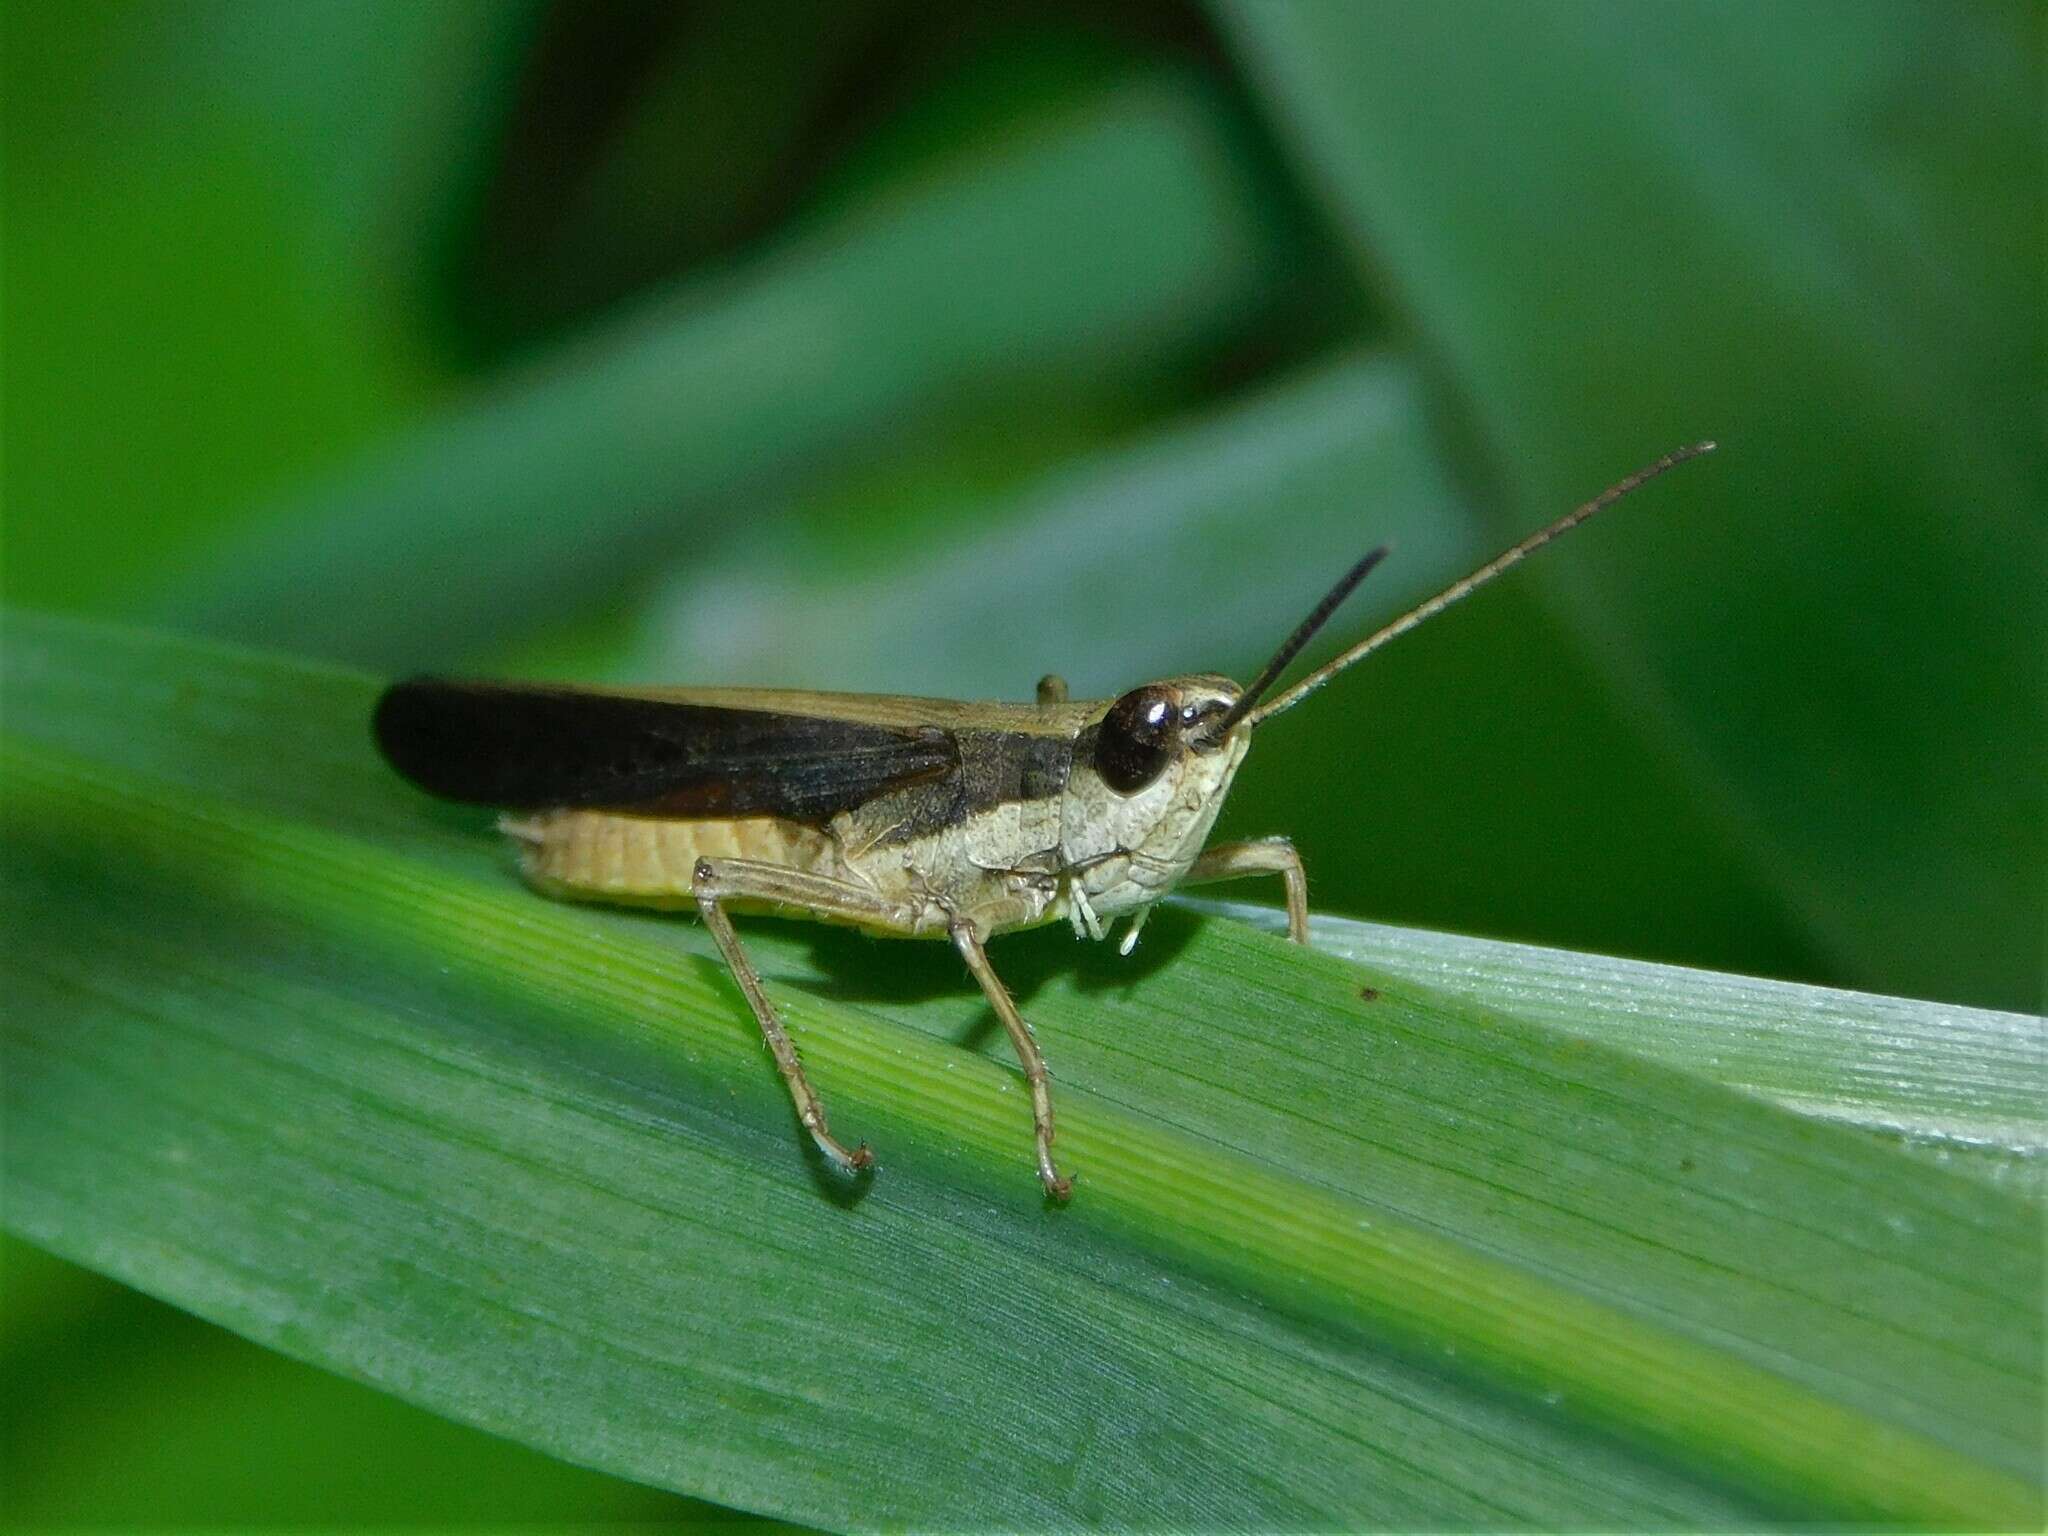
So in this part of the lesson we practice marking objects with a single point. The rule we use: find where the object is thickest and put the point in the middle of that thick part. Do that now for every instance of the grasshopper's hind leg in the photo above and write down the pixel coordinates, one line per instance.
(968, 942)
(717, 881)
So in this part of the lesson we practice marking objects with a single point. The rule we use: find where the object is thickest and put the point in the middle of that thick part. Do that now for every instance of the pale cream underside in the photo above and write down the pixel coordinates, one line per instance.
(644, 861)
(598, 855)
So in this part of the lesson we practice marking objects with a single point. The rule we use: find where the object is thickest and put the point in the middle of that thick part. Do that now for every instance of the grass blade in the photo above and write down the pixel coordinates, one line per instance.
(1966, 1082)
(288, 1047)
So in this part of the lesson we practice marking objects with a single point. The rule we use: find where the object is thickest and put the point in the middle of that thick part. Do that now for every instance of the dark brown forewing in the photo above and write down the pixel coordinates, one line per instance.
(532, 748)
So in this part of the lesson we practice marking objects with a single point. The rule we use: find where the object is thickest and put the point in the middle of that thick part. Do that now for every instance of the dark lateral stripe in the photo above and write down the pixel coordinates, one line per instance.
(534, 748)
(996, 768)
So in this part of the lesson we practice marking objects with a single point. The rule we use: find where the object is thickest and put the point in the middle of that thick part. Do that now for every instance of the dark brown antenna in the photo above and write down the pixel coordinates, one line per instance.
(1304, 632)
(1243, 708)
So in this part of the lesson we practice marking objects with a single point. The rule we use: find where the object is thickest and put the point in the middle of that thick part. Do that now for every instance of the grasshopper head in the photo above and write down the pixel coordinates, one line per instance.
(1160, 759)
(1149, 777)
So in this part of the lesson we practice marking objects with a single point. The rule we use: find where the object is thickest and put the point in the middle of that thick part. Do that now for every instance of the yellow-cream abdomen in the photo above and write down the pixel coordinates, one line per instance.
(600, 855)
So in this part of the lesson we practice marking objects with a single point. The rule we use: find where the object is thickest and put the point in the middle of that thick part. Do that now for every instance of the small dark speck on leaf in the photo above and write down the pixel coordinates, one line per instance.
(1685, 1165)
(1369, 994)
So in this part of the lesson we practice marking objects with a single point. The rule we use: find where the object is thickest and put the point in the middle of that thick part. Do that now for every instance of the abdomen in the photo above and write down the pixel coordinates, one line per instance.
(649, 861)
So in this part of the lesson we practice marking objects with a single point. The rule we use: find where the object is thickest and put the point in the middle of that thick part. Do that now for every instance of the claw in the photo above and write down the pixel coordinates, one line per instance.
(1130, 938)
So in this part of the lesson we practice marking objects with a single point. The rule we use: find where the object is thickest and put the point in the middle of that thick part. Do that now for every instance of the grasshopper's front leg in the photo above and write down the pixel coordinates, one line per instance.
(968, 942)
(717, 881)
(1267, 856)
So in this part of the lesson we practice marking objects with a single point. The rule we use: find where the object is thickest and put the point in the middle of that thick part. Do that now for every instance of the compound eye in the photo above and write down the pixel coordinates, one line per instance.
(1136, 740)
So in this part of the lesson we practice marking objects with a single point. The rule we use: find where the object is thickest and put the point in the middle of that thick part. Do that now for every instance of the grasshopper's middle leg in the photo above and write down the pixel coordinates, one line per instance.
(717, 881)
(968, 942)
(1268, 856)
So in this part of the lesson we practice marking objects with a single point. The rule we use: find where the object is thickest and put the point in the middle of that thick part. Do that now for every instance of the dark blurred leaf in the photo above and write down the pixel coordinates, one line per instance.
(1124, 229)
(651, 137)
(1813, 232)
(646, 139)
(1335, 1259)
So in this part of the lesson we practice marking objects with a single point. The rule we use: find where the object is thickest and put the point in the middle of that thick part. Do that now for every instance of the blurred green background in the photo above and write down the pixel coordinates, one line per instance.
(905, 345)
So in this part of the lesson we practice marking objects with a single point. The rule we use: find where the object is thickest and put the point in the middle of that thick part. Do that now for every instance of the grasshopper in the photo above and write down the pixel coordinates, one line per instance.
(909, 817)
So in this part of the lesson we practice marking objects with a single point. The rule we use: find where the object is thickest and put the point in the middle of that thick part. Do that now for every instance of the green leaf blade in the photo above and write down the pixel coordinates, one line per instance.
(351, 1091)
(1964, 1083)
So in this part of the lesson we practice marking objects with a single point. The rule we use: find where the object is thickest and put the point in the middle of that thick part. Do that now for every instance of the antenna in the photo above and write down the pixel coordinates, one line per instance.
(1303, 633)
(1433, 606)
